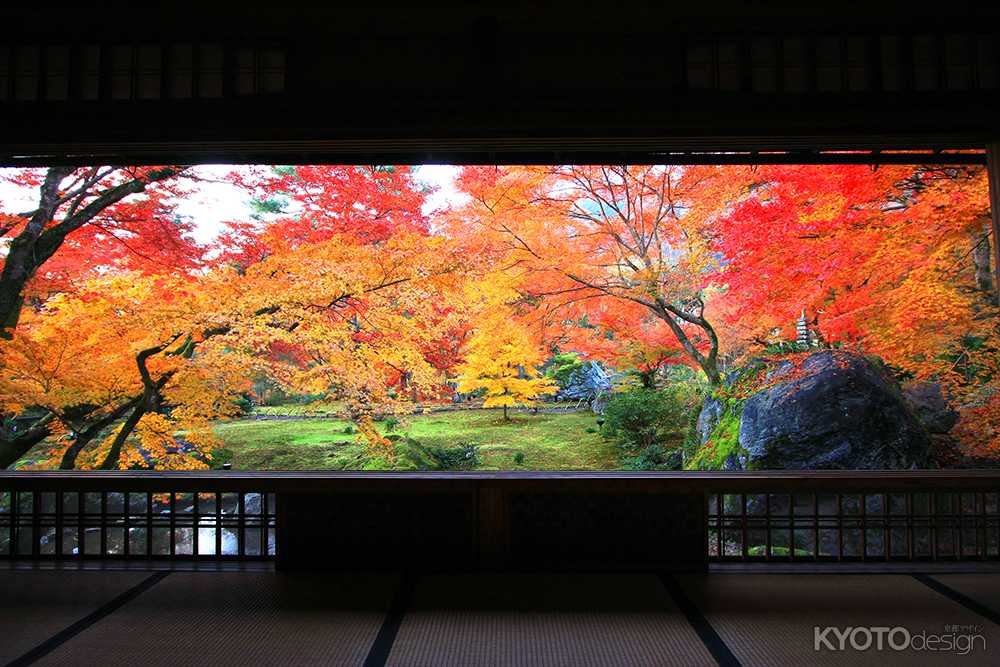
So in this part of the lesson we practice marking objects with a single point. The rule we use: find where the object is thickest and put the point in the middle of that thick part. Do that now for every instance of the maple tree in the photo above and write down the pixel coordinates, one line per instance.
(171, 356)
(365, 300)
(502, 361)
(873, 258)
(589, 240)
(87, 222)
(353, 320)
(89, 215)
(122, 348)
(94, 352)
(312, 203)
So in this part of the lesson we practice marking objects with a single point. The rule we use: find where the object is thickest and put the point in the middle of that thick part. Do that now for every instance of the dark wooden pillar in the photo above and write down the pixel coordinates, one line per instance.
(993, 168)
(494, 534)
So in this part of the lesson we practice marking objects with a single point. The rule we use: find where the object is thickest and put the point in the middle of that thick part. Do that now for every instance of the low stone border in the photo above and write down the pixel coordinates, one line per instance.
(436, 409)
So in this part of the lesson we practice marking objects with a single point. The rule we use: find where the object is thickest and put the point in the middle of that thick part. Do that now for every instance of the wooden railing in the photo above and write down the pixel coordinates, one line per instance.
(500, 520)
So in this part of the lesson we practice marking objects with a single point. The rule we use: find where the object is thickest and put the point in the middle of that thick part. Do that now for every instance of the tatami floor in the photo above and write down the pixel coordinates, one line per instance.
(134, 617)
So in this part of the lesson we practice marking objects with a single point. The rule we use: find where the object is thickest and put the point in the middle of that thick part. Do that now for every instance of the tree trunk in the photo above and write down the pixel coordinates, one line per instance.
(40, 238)
(505, 417)
(80, 442)
(11, 449)
(708, 364)
(149, 402)
(993, 170)
(12, 313)
(981, 260)
(647, 377)
(86, 435)
(670, 314)
(22, 258)
(114, 454)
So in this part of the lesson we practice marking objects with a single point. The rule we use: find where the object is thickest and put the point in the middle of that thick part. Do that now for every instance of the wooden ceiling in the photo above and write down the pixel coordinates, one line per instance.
(742, 82)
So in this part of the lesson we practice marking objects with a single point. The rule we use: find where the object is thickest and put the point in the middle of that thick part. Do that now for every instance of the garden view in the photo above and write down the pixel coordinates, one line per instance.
(498, 318)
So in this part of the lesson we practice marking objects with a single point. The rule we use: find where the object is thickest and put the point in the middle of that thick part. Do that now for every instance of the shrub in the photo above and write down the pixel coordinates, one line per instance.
(412, 455)
(462, 457)
(244, 404)
(391, 423)
(561, 366)
(349, 429)
(219, 457)
(376, 463)
(655, 457)
(519, 458)
(642, 418)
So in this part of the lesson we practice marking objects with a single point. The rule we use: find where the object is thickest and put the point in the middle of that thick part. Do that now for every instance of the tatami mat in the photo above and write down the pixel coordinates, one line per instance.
(603, 620)
(34, 606)
(770, 619)
(983, 588)
(238, 619)
(600, 620)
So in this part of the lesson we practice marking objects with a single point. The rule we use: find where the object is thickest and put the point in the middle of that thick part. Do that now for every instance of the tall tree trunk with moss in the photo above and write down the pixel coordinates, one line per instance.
(981, 260)
(993, 171)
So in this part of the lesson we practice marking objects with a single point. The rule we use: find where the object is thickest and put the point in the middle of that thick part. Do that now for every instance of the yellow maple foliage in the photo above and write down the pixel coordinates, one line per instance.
(502, 360)
(88, 358)
(350, 320)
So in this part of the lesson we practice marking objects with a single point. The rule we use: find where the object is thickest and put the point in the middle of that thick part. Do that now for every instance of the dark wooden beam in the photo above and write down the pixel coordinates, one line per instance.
(609, 481)
(993, 168)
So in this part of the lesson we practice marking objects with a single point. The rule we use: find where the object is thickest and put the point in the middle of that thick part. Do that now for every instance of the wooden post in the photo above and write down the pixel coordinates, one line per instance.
(993, 169)
(494, 537)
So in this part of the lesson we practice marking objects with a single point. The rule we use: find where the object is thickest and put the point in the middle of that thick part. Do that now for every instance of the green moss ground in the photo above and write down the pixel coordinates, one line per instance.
(547, 441)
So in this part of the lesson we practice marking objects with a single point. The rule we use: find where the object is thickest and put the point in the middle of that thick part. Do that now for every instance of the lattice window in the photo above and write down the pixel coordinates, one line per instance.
(854, 526)
(113, 524)
(91, 72)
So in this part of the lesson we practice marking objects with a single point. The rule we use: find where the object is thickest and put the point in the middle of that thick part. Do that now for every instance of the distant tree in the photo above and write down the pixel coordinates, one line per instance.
(501, 360)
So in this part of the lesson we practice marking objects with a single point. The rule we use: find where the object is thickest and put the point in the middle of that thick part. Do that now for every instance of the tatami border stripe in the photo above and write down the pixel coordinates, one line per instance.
(378, 654)
(709, 637)
(960, 598)
(63, 636)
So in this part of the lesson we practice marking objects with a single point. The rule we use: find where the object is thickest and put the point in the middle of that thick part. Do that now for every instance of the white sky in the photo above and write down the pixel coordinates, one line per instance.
(212, 204)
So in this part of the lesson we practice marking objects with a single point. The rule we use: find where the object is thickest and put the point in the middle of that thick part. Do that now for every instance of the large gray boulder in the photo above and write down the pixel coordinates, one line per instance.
(591, 382)
(930, 406)
(711, 412)
(827, 410)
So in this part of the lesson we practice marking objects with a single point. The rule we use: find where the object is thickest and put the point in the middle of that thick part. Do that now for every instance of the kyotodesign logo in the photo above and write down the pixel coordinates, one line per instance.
(957, 639)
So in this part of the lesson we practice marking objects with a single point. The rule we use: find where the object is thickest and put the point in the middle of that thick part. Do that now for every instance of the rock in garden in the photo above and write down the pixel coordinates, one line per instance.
(929, 405)
(823, 410)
